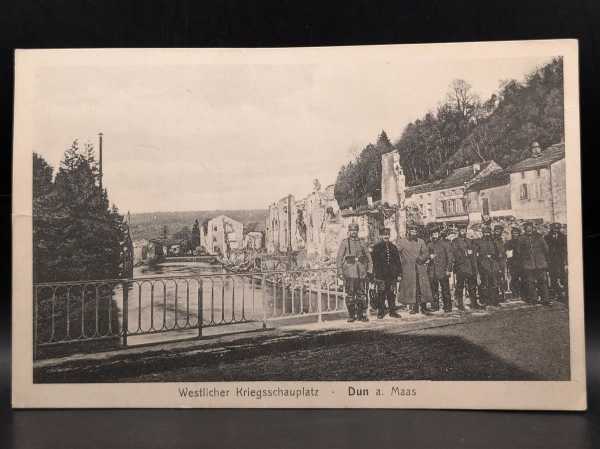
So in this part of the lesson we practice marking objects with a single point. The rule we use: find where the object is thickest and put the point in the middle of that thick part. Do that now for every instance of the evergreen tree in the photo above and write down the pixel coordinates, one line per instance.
(76, 235)
(43, 207)
(195, 239)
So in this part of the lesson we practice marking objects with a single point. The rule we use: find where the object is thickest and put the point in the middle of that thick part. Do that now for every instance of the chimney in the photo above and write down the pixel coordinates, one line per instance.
(536, 151)
(476, 168)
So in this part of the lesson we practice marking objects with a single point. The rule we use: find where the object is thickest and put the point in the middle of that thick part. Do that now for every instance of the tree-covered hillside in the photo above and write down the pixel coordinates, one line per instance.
(462, 130)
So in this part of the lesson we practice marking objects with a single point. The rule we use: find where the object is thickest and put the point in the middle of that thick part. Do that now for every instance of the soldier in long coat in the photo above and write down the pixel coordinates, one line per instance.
(387, 269)
(414, 289)
(441, 261)
(354, 265)
(465, 269)
(488, 266)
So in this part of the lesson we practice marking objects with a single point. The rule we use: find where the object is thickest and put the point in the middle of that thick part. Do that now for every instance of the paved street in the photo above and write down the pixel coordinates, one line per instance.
(520, 343)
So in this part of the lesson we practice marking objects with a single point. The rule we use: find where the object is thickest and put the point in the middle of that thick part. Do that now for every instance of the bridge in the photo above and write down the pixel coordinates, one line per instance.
(98, 315)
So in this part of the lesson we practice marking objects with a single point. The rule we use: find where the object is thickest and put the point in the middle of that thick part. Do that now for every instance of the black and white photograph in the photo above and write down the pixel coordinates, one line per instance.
(282, 219)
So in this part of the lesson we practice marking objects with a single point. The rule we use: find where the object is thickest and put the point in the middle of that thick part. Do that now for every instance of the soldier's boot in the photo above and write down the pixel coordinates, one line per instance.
(424, 309)
(460, 302)
(394, 314)
(362, 315)
(351, 313)
(414, 309)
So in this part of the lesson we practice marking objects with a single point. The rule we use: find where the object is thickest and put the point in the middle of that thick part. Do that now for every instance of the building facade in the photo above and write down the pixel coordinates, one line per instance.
(489, 196)
(223, 235)
(445, 200)
(538, 185)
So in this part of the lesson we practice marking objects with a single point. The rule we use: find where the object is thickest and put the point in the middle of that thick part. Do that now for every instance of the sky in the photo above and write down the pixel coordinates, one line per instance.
(199, 136)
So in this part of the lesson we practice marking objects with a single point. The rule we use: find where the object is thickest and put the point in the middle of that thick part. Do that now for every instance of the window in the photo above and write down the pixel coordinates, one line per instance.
(537, 191)
(538, 172)
(522, 175)
(524, 194)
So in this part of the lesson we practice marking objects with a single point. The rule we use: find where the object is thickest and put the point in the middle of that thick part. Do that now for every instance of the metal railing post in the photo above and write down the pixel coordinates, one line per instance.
(264, 299)
(200, 307)
(319, 298)
(125, 312)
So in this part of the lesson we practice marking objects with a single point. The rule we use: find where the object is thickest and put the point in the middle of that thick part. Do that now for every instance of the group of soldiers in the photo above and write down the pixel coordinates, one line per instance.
(421, 270)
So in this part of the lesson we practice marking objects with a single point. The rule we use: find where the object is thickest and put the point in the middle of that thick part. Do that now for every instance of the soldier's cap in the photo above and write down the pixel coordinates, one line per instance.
(528, 224)
(515, 230)
(412, 227)
(384, 231)
(486, 229)
(498, 227)
(353, 227)
(556, 226)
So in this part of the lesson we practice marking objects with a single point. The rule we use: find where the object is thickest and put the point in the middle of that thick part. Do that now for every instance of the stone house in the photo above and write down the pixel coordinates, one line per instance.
(302, 225)
(254, 236)
(489, 196)
(538, 185)
(280, 228)
(444, 200)
(140, 251)
(223, 235)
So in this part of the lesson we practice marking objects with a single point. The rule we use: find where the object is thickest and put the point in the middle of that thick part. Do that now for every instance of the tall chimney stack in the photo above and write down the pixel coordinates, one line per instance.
(100, 150)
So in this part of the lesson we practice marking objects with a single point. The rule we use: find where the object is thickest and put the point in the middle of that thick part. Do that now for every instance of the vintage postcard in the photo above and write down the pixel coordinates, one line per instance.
(371, 226)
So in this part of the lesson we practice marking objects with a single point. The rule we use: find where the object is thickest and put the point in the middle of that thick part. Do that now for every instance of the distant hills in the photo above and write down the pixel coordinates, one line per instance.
(148, 225)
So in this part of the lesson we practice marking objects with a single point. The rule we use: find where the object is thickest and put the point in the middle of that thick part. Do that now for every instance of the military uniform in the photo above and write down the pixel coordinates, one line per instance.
(487, 264)
(353, 264)
(439, 266)
(557, 245)
(465, 271)
(534, 252)
(514, 266)
(501, 258)
(386, 269)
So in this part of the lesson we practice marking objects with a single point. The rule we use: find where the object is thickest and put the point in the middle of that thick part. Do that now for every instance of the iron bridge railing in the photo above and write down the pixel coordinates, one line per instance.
(108, 313)
(105, 314)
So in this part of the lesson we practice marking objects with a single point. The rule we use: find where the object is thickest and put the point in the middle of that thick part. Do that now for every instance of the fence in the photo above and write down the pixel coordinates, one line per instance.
(107, 313)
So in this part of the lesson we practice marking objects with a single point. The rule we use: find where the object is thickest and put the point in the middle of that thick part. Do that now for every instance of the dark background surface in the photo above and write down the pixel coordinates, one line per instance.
(76, 23)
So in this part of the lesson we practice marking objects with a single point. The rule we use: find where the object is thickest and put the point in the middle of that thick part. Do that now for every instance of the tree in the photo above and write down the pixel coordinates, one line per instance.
(44, 233)
(195, 239)
(77, 236)
(361, 178)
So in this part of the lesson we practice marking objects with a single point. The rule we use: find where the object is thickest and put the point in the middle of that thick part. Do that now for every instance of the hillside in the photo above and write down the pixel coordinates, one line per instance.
(462, 130)
(149, 225)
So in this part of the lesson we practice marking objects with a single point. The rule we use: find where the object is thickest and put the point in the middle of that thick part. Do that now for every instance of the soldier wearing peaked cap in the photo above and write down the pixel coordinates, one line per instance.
(557, 263)
(513, 262)
(534, 253)
(354, 266)
(465, 269)
(387, 269)
(415, 288)
(499, 241)
(487, 264)
(441, 261)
